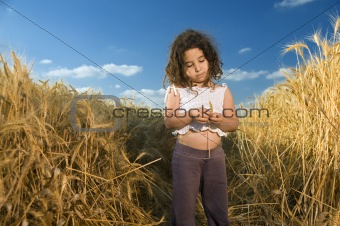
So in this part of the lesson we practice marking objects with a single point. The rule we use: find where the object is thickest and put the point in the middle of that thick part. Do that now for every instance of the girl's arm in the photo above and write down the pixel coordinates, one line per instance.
(227, 121)
(173, 119)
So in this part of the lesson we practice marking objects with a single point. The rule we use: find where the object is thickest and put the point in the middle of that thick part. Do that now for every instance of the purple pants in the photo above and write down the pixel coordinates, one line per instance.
(192, 172)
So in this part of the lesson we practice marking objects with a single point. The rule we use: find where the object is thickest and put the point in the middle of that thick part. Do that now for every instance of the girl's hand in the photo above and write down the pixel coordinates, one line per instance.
(200, 115)
(216, 118)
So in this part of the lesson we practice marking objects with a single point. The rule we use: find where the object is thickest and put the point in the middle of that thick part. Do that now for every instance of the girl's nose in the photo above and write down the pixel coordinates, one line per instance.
(197, 68)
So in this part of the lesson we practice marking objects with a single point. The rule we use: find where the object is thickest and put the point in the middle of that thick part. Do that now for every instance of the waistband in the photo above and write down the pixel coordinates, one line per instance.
(197, 153)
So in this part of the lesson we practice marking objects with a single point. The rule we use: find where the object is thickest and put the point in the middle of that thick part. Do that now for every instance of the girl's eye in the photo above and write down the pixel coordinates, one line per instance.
(189, 65)
(202, 60)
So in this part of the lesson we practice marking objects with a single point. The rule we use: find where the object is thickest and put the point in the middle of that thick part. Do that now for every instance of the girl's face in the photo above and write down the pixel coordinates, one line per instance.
(196, 66)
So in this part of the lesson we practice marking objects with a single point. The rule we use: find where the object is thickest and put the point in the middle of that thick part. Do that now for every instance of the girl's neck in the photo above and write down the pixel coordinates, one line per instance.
(201, 85)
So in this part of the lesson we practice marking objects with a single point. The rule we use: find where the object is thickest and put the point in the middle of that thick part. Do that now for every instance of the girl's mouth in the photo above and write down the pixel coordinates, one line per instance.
(201, 75)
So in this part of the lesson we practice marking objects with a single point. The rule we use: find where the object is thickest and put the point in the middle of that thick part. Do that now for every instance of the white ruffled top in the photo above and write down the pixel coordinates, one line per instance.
(199, 97)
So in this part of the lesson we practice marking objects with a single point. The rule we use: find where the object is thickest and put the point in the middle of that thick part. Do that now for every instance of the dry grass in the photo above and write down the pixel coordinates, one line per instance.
(52, 174)
(293, 163)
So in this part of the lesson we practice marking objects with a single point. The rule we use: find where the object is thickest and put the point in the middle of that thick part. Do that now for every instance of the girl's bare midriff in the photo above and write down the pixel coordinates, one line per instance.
(199, 140)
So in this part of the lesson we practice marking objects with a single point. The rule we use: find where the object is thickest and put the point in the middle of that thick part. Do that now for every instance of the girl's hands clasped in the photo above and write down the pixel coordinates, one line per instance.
(204, 115)
(216, 118)
(200, 115)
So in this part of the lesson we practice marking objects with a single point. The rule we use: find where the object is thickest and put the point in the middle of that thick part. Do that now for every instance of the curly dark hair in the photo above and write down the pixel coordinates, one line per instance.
(189, 39)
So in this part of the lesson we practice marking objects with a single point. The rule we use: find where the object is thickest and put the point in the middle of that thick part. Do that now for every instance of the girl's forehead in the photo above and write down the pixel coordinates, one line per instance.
(193, 54)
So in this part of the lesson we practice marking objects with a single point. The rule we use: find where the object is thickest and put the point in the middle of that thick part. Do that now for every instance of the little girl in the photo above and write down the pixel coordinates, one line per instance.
(201, 112)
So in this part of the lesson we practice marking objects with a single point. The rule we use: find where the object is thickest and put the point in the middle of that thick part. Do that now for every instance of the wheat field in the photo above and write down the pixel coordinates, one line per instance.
(282, 169)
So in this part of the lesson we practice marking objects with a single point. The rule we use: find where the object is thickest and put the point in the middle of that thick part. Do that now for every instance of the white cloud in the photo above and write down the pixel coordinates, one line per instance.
(117, 86)
(292, 3)
(239, 75)
(83, 89)
(152, 98)
(34, 75)
(45, 61)
(87, 71)
(83, 71)
(278, 74)
(123, 69)
(244, 50)
(274, 75)
(87, 89)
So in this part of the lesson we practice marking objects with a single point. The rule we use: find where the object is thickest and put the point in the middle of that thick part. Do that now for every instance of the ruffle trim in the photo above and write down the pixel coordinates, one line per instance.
(185, 129)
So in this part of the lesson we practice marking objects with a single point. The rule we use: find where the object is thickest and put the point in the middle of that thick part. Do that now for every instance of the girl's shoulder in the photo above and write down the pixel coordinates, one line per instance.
(222, 85)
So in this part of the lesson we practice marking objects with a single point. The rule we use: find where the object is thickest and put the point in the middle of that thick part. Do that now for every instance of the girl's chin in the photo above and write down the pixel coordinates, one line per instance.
(200, 83)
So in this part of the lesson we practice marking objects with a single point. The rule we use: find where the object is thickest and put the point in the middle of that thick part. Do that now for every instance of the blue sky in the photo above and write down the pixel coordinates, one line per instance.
(74, 41)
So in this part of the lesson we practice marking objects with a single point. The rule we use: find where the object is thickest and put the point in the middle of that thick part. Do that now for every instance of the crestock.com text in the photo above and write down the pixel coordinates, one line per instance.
(119, 112)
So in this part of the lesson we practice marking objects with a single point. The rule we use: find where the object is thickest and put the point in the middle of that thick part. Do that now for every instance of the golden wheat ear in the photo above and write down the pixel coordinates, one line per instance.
(211, 107)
